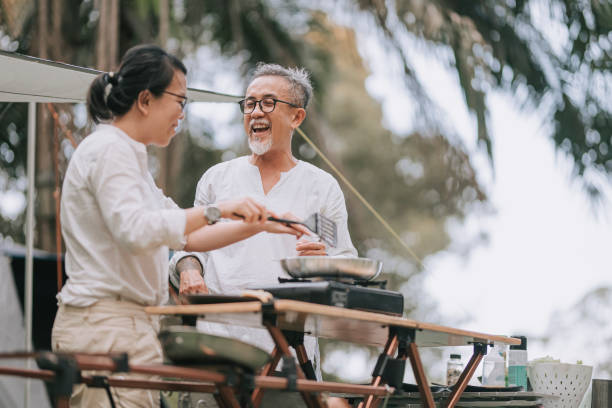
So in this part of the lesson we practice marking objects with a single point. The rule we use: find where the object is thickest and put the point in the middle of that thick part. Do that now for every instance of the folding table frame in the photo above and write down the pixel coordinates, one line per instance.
(63, 370)
(400, 337)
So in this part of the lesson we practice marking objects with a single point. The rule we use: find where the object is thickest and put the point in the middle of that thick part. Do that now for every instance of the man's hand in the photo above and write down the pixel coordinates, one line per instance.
(190, 273)
(310, 248)
(192, 282)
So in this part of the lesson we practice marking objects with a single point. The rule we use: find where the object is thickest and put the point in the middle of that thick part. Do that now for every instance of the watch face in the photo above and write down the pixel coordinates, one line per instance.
(212, 214)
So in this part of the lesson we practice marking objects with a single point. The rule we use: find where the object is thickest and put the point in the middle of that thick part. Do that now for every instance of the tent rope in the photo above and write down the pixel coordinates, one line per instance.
(365, 202)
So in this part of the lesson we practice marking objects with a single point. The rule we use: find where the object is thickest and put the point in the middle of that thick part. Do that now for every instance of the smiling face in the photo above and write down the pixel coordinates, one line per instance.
(271, 131)
(167, 111)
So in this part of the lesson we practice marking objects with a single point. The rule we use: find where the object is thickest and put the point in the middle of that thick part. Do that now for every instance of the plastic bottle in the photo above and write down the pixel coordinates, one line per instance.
(517, 364)
(494, 368)
(454, 368)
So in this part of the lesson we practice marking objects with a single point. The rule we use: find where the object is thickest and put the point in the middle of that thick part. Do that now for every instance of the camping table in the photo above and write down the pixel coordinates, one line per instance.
(398, 336)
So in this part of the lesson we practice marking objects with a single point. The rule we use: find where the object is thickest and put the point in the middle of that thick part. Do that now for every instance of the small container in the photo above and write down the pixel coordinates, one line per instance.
(517, 364)
(494, 368)
(454, 368)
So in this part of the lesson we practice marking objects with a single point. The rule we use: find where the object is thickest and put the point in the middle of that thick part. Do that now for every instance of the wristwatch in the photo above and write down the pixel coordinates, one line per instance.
(212, 214)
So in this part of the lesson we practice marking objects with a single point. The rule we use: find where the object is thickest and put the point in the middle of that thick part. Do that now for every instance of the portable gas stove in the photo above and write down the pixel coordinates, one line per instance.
(370, 296)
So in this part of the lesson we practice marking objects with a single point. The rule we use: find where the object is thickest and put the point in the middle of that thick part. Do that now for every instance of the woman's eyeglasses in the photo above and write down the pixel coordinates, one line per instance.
(183, 102)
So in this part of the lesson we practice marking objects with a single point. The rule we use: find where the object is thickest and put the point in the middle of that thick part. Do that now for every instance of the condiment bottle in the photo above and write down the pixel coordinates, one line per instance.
(517, 364)
(454, 368)
(494, 368)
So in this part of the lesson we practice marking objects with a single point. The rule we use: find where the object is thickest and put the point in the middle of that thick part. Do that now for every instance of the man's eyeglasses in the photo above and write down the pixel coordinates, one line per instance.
(183, 102)
(266, 105)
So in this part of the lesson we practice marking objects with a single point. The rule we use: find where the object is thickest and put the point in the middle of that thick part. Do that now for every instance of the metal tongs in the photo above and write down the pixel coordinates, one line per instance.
(322, 226)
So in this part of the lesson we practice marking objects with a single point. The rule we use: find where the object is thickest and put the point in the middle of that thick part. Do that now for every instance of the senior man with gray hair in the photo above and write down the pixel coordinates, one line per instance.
(274, 106)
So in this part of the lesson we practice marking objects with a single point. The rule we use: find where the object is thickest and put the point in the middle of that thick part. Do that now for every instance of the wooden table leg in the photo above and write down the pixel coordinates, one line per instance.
(228, 396)
(302, 357)
(62, 402)
(389, 351)
(296, 340)
(419, 374)
(268, 369)
(218, 399)
(311, 400)
(480, 349)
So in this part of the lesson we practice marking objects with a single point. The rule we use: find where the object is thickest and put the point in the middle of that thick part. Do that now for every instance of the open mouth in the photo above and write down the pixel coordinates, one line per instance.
(259, 128)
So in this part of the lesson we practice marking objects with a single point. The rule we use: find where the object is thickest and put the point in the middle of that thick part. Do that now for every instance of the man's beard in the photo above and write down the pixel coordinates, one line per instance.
(258, 147)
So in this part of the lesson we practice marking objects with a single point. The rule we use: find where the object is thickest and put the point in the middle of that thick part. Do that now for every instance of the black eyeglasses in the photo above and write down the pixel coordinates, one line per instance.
(266, 105)
(184, 99)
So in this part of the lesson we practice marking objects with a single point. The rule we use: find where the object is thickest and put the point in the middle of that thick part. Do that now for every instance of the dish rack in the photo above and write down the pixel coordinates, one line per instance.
(567, 381)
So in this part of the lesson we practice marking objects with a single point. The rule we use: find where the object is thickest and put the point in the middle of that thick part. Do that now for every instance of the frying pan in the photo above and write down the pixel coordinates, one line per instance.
(185, 345)
(307, 267)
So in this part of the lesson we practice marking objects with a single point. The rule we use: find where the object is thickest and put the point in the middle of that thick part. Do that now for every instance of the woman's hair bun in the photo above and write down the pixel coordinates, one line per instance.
(111, 78)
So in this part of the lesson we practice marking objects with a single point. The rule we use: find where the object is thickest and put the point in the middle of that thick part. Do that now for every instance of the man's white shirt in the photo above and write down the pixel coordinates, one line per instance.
(254, 262)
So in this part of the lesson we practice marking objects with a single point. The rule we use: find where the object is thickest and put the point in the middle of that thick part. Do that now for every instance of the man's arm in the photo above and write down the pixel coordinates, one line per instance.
(191, 275)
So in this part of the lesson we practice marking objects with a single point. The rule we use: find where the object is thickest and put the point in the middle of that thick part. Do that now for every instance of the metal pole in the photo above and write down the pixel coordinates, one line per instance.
(29, 266)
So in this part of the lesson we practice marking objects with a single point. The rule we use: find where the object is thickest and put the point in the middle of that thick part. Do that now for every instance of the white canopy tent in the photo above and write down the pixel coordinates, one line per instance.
(33, 80)
(29, 79)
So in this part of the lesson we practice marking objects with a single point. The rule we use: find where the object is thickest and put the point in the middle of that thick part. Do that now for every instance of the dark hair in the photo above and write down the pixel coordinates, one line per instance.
(143, 67)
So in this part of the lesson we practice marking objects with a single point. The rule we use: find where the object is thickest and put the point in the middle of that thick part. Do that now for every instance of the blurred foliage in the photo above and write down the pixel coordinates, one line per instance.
(555, 51)
(13, 136)
(195, 162)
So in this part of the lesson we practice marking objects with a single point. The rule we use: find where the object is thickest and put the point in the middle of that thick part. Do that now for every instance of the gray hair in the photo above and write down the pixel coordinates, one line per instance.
(298, 78)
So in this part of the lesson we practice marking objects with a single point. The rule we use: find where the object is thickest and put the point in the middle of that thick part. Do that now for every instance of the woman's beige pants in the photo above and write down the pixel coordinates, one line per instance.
(109, 326)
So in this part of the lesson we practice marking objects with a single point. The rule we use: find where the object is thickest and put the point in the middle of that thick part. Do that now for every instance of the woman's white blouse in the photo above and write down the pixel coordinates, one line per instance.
(116, 223)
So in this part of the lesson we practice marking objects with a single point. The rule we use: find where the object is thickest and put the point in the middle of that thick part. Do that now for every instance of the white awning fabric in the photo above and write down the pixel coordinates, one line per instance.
(28, 79)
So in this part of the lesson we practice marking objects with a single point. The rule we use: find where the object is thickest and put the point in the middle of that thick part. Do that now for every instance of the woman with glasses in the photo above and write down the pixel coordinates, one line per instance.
(118, 226)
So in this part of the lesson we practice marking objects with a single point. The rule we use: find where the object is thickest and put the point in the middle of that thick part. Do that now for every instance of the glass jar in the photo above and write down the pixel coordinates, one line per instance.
(454, 368)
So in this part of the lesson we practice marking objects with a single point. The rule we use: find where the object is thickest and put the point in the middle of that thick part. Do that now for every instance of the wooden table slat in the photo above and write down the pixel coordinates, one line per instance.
(339, 323)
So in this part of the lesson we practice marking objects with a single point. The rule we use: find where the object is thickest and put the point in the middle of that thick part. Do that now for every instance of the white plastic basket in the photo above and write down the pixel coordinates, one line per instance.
(568, 381)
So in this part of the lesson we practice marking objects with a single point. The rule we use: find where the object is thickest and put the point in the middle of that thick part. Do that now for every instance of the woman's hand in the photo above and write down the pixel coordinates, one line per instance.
(276, 227)
(245, 209)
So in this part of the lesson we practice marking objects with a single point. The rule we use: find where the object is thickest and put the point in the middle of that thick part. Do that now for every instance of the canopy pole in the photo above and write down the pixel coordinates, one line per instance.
(29, 266)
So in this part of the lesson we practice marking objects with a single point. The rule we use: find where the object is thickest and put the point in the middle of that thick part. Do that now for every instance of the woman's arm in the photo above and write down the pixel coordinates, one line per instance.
(245, 209)
(219, 235)
(222, 234)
